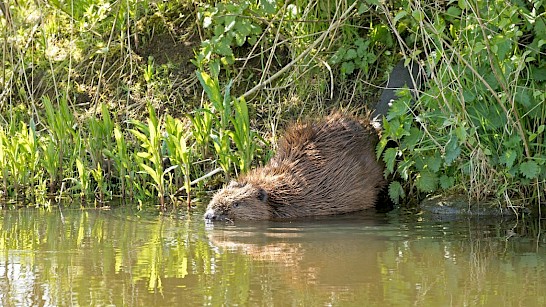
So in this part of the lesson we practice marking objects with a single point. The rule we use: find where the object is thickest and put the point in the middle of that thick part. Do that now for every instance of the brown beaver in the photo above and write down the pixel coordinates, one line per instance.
(321, 167)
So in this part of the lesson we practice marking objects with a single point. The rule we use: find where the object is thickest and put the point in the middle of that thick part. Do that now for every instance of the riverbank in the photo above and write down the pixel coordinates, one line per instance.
(157, 102)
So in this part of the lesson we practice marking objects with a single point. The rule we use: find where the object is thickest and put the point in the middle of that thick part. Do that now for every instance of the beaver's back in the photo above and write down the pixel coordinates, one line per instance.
(321, 168)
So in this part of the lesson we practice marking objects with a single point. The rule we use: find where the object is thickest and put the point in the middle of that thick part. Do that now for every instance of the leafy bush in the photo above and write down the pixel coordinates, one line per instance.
(230, 25)
(478, 126)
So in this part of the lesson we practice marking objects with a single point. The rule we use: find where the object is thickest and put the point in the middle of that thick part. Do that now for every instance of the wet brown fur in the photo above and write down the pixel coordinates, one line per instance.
(322, 167)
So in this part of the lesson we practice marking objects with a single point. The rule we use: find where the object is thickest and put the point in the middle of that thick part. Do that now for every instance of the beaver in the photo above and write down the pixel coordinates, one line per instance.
(321, 167)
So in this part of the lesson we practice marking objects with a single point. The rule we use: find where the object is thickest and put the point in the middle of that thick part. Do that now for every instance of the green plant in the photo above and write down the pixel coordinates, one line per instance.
(202, 122)
(99, 145)
(4, 161)
(243, 137)
(83, 180)
(50, 163)
(479, 124)
(360, 55)
(177, 136)
(63, 143)
(101, 188)
(231, 25)
(230, 124)
(31, 158)
(221, 106)
(149, 135)
(123, 164)
(99, 139)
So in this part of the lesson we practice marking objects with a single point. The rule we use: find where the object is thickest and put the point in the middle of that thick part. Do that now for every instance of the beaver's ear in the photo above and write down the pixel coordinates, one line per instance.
(262, 195)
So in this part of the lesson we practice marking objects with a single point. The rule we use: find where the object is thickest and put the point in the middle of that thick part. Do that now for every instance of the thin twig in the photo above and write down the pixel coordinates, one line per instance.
(210, 174)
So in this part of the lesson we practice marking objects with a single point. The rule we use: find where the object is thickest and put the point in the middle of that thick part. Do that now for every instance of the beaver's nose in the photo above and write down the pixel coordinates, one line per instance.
(211, 215)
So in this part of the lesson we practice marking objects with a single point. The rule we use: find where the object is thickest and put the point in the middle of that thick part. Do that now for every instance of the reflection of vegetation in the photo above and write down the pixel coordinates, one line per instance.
(98, 253)
(105, 257)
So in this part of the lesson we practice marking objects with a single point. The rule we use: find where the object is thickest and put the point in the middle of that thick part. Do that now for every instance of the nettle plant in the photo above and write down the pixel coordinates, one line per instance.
(478, 126)
(360, 53)
(358, 56)
(231, 25)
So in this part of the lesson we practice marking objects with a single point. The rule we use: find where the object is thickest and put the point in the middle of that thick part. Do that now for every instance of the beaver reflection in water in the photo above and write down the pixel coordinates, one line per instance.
(321, 167)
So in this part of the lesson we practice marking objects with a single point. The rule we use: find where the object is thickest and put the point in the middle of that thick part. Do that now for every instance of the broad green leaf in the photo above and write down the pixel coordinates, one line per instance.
(452, 150)
(396, 191)
(418, 15)
(538, 73)
(446, 182)
(380, 147)
(79, 166)
(362, 8)
(351, 54)
(240, 38)
(210, 86)
(140, 136)
(529, 169)
(151, 172)
(508, 158)
(399, 16)
(144, 155)
(533, 136)
(390, 158)
(269, 6)
(540, 28)
(398, 108)
(223, 47)
(347, 68)
(461, 133)
(503, 46)
(230, 22)
(454, 11)
(427, 181)
(523, 97)
(434, 163)
(410, 141)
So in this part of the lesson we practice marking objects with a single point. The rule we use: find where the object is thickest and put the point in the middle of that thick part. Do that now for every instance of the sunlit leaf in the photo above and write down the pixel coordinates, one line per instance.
(269, 6)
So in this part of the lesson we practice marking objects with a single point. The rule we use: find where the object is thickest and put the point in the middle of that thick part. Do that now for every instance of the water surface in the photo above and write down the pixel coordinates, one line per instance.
(93, 257)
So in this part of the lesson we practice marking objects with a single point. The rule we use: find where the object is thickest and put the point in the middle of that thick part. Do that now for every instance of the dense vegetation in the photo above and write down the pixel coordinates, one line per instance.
(152, 100)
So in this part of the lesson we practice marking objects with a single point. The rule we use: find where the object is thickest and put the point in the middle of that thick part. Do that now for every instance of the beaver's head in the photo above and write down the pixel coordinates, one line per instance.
(239, 201)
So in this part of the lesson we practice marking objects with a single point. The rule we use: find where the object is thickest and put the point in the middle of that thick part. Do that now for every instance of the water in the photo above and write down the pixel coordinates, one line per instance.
(120, 258)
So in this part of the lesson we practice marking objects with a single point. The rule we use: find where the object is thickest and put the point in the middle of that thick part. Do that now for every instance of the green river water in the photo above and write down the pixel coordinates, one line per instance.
(119, 258)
